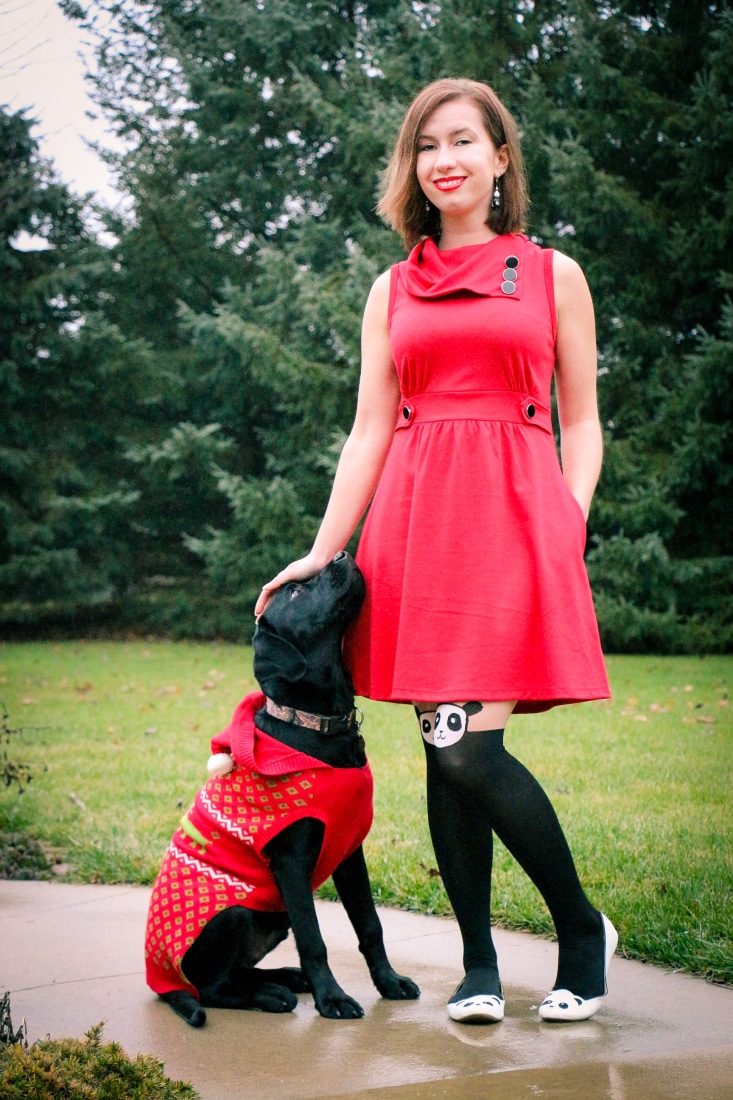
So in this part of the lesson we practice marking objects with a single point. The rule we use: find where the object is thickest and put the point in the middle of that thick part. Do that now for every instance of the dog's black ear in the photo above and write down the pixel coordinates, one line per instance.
(276, 657)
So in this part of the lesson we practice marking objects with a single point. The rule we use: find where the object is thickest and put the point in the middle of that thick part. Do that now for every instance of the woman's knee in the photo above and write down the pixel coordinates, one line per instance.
(445, 724)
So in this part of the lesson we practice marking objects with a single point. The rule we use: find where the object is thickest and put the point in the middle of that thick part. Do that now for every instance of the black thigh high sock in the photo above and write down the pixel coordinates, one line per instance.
(474, 786)
(463, 845)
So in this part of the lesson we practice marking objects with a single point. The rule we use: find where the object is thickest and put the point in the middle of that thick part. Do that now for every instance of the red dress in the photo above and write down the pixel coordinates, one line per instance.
(473, 546)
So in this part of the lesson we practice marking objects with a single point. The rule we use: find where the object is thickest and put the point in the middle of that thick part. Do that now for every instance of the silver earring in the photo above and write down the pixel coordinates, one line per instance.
(496, 199)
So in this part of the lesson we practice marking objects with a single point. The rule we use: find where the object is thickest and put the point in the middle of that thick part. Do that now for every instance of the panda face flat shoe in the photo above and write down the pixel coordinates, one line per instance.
(562, 1005)
(472, 1003)
(485, 1008)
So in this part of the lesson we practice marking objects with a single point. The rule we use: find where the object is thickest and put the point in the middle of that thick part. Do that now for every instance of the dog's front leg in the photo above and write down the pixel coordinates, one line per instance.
(293, 854)
(351, 880)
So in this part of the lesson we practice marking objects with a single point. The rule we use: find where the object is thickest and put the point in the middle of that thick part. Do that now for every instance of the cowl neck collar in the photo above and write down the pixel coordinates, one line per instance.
(474, 269)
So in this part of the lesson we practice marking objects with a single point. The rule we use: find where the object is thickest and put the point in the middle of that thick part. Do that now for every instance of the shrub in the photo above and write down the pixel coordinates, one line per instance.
(22, 857)
(88, 1069)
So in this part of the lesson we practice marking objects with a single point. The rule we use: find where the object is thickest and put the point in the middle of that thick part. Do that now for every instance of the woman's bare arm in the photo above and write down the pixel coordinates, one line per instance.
(365, 451)
(581, 441)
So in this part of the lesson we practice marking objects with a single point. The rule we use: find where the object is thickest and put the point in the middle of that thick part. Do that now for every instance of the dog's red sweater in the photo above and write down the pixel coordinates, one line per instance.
(215, 858)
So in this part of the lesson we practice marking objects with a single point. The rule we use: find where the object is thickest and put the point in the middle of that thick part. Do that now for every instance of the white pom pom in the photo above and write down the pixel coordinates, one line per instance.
(221, 763)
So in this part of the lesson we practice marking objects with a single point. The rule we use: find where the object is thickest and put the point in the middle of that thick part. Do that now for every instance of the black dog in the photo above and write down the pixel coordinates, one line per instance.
(210, 922)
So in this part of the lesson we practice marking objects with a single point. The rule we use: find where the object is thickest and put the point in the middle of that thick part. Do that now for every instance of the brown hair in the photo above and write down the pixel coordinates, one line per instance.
(403, 204)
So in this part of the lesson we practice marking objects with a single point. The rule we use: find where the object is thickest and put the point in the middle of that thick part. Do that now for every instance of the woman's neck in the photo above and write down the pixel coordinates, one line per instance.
(459, 233)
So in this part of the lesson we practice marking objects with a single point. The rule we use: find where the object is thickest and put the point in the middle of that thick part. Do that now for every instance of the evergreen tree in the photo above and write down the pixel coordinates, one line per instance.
(229, 311)
(71, 382)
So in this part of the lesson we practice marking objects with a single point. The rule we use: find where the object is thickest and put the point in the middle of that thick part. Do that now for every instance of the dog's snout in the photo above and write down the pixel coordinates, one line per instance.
(341, 555)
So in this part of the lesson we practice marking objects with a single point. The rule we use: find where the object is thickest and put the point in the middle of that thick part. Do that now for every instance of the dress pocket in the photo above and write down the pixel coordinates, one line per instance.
(581, 521)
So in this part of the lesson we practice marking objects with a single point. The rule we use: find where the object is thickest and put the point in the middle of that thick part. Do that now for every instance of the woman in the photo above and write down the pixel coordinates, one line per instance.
(478, 601)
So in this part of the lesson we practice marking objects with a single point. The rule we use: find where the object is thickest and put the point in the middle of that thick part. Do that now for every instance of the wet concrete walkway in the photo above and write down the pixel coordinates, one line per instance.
(71, 957)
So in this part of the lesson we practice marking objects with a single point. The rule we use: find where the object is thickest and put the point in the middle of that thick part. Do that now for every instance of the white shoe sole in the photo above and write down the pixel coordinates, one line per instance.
(561, 1005)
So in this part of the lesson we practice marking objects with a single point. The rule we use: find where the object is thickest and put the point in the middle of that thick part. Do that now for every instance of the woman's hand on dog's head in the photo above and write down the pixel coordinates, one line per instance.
(301, 570)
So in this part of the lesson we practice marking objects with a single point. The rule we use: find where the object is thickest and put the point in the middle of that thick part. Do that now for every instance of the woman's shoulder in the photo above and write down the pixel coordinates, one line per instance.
(382, 282)
(377, 303)
(379, 294)
(571, 287)
(567, 272)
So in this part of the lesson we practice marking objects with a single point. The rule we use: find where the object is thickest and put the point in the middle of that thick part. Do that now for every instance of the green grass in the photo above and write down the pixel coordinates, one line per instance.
(117, 736)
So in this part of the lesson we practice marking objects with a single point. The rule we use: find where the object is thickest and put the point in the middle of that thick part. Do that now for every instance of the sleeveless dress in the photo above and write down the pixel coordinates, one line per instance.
(472, 548)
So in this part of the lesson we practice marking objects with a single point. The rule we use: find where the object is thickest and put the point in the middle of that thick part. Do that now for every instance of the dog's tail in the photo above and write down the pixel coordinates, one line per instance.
(186, 1006)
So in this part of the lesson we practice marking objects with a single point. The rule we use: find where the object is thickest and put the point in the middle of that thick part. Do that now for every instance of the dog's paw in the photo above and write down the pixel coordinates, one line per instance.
(292, 977)
(269, 997)
(339, 1007)
(394, 987)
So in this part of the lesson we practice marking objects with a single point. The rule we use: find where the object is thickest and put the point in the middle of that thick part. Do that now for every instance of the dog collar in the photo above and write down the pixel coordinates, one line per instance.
(336, 723)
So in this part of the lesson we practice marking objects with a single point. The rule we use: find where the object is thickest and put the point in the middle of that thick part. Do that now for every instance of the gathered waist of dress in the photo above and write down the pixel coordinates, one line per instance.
(510, 406)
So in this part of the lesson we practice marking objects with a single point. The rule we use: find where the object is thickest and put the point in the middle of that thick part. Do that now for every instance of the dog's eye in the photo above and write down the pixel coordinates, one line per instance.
(294, 592)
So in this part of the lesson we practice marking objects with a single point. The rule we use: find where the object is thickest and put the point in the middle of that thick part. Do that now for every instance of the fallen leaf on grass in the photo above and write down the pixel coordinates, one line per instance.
(77, 801)
(641, 718)
(214, 679)
(83, 689)
(151, 730)
(706, 718)
(688, 687)
(172, 689)
(722, 702)
(28, 702)
(433, 872)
